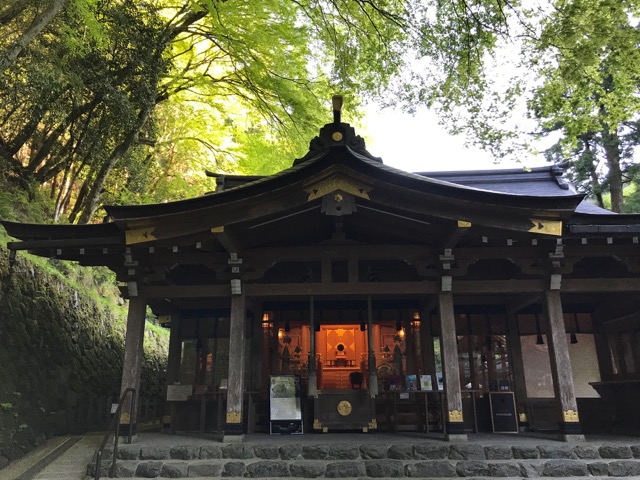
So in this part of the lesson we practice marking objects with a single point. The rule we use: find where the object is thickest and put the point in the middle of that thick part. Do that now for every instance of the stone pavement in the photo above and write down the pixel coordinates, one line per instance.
(59, 458)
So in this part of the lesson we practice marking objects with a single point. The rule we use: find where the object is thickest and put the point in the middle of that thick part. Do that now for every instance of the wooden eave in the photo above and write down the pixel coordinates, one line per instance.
(581, 224)
(39, 231)
(382, 187)
(345, 156)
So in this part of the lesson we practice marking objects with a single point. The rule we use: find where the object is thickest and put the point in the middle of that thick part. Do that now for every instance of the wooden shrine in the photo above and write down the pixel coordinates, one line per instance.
(369, 283)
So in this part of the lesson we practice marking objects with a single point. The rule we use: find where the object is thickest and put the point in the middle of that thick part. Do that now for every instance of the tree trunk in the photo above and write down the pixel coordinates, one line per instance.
(40, 22)
(91, 204)
(611, 143)
(58, 132)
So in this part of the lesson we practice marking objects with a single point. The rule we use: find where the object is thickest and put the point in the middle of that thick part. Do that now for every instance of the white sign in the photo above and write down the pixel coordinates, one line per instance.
(179, 393)
(284, 393)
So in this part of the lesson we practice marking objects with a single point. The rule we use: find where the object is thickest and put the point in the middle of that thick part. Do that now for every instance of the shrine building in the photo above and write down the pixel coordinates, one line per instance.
(445, 302)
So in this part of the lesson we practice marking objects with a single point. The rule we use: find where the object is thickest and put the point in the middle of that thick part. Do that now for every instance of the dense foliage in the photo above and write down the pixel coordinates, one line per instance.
(123, 101)
(130, 101)
(572, 68)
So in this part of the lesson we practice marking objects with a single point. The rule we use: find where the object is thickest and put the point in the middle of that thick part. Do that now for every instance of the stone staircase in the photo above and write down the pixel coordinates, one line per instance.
(418, 459)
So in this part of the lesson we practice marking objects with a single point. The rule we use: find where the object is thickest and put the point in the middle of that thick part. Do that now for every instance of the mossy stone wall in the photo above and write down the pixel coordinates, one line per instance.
(60, 359)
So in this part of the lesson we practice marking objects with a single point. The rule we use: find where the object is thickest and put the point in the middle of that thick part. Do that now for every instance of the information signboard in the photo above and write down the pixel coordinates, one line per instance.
(179, 393)
(285, 404)
(503, 412)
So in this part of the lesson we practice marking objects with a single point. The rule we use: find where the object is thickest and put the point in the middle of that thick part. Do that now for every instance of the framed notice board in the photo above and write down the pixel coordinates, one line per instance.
(503, 412)
(285, 404)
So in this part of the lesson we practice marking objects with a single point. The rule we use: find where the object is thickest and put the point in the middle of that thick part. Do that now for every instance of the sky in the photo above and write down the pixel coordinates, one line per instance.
(416, 143)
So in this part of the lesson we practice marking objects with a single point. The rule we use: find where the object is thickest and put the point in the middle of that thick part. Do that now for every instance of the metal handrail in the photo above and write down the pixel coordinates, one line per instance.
(115, 427)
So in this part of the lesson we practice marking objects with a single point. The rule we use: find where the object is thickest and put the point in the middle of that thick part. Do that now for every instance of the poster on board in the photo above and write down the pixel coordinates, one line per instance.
(285, 404)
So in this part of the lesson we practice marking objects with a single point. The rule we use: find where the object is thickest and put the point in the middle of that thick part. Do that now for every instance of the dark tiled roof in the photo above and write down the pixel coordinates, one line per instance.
(539, 182)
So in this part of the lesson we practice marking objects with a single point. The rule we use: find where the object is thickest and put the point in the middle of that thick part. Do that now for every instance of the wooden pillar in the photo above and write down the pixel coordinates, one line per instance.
(371, 353)
(603, 352)
(453, 397)
(416, 333)
(516, 364)
(473, 368)
(275, 346)
(173, 368)
(235, 389)
(409, 352)
(265, 355)
(255, 356)
(561, 368)
(428, 351)
(313, 376)
(132, 365)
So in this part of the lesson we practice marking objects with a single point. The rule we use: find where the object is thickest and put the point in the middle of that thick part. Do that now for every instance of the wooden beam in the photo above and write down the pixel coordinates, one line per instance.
(418, 251)
(185, 291)
(599, 229)
(487, 287)
(422, 287)
(522, 301)
(64, 242)
(459, 231)
(228, 239)
(600, 285)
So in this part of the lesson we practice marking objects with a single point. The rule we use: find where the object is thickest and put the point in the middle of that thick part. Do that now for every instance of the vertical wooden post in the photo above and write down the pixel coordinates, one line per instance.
(132, 364)
(313, 377)
(235, 388)
(473, 368)
(427, 349)
(416, 333)
(561, 368)
(275, 346)
(371, 353)
(173, 368)
(453, 396)
(602, 347)
(516, 364)
(256, 343)
(326, 270)
(409, 351)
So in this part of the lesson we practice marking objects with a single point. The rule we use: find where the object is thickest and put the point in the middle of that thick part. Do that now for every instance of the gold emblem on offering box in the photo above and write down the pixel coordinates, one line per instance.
(455, 416)
(570, 416)
(336, 136)
(344, 408)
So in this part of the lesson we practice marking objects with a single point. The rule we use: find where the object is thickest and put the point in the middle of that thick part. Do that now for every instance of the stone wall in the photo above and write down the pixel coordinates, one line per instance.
(60, 358)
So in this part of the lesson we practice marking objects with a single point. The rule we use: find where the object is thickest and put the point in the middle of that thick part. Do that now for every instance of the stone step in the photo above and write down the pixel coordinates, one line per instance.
(392, 478)
(375, 469)
(374, 460)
